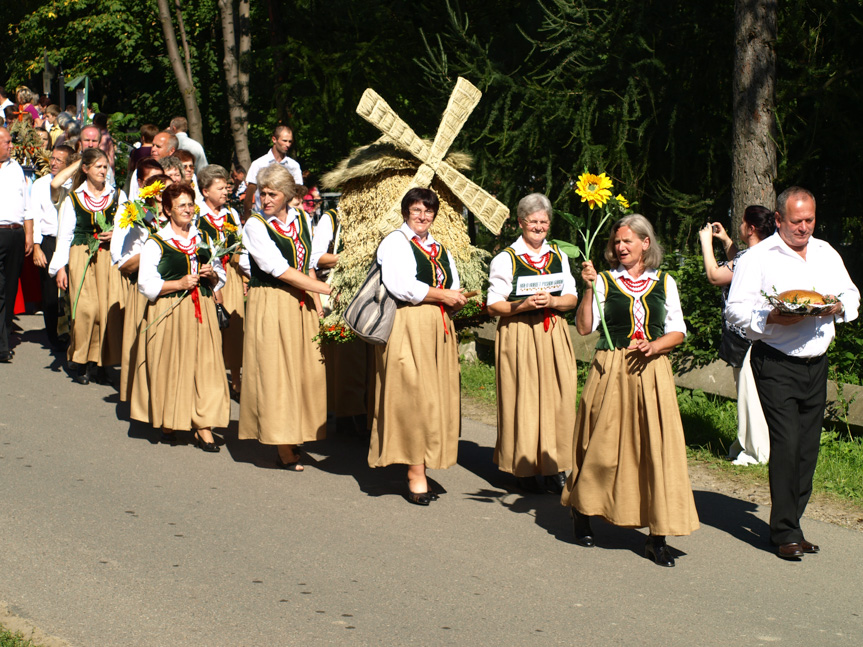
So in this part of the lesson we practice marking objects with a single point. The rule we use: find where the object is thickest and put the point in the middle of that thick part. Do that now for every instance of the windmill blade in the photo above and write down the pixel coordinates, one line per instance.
(464, 98)
(393, 218)
(488, 209)
(377, 112)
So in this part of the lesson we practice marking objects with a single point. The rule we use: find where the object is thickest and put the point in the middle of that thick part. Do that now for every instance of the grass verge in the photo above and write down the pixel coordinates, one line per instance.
(8, 639)
(710, 425)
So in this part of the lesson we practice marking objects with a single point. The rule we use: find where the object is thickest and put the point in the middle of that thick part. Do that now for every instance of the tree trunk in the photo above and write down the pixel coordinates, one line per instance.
(237, 76)
(184, 80)
(753, 160)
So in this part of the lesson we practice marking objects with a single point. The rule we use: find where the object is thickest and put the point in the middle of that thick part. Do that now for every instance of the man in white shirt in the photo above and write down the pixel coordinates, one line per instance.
(44, 210)
(789, 358)
(180, 127)
(4, 103)
(16, 237)
(283, 139)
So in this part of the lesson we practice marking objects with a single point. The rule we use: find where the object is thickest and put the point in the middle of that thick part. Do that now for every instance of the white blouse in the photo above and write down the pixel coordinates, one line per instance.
(127, 242)
(324, 235)
(66, 226)
(399, 266)
(150, 282)
(261, 247)
(245, 268)
(501, 271)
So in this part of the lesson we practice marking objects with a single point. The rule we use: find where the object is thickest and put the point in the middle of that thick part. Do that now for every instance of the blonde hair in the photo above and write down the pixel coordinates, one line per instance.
(642, 228)
(278, 178)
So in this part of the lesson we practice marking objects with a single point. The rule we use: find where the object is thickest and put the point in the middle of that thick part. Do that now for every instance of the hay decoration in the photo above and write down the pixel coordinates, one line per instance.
(375, 178)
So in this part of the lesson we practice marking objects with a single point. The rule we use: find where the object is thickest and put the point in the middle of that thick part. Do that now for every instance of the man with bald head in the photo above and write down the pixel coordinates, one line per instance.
(789, 353)
(16, 237)
(164, 145)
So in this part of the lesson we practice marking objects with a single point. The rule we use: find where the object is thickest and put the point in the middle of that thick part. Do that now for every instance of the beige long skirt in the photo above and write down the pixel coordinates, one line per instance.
(536, 395)
(629, 452)
(417, 417)
(136, 303)
(234, 302)
(284, 378)
(179, 378)
(346, 377)
(97, 330)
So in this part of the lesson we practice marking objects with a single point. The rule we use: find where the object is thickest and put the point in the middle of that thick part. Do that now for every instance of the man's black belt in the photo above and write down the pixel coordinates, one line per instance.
(769, 351)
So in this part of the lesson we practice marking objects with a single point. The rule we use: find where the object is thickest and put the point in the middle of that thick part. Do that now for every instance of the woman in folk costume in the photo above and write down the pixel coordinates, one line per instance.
(629, 453)
(126, 244)
(417, 416)
(179, 381)
(535, 363)
(281, 403)
(219, 223)
(97, 328)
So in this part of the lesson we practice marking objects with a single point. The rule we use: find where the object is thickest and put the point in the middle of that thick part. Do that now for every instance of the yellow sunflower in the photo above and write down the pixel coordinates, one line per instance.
(129, 215)
(623, 202)
(594, 189)
(230, 228)
(197, 210)
(151, 191)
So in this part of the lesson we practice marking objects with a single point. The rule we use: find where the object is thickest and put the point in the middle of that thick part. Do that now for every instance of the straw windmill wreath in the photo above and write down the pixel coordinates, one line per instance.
(374, 179)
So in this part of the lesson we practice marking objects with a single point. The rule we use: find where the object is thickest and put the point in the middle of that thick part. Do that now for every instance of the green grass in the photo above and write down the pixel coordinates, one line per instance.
(8, 639)
(477, 381)
(710, 425)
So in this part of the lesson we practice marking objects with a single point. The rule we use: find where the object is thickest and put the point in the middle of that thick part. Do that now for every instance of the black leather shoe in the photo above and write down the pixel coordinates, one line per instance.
(78, 373)
(418, 498)
(205, 446)
(6, 356)
(582, 530)
(809, 548)
(168, 438)
(790, 551)
(657, 550)
(554, 483)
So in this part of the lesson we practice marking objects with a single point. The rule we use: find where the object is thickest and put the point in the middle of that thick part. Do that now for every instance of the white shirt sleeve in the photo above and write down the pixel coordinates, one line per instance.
(500, 275)
(599, 292)
(569, 286)
(219, 268)
(65, 232)
(245, 265)
(262, 248)
(321, 240)
(746, 308)
(149, 280)
(673, 312)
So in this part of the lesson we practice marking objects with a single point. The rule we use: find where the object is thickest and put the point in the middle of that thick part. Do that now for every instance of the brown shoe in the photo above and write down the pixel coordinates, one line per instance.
(809, 548)
(790, 551)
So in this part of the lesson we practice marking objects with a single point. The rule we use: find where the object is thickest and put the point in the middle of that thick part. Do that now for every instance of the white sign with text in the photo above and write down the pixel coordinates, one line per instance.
(528, 285)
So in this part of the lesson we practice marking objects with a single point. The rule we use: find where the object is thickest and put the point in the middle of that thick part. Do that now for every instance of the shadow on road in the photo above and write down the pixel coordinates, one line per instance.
(733, 516)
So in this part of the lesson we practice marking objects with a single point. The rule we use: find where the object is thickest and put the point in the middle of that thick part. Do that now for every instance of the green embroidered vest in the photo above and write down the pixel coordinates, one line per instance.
(520, 268)
(427, 264)
(288, 250)
(619, 315)
(212, 235)
(175, 264)
(85, 220)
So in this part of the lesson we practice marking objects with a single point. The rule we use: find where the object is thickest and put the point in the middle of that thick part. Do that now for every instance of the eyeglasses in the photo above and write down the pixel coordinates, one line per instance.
(417, 211)
(544, 224)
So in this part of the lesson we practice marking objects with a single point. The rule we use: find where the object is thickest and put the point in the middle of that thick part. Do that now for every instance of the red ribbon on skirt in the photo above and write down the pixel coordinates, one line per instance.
(196, 299)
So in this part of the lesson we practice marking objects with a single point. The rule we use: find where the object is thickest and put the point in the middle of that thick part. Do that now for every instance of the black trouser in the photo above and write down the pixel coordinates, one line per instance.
(50, 291)
(11, 261)
(793, 394)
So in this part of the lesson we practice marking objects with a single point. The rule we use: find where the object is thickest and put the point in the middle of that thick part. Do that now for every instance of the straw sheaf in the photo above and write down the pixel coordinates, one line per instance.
(380, 157)
(362, 205)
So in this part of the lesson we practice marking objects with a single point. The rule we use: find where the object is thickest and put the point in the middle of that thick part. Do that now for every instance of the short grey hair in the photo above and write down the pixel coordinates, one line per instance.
(787, 194)
(171, 162)
(210, 174)
(531, 204)
(642, 228)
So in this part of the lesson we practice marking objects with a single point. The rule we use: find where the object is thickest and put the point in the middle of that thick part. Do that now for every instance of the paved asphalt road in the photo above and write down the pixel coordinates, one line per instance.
(108, 539)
